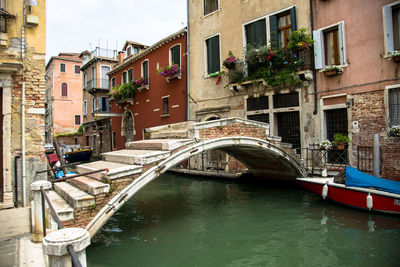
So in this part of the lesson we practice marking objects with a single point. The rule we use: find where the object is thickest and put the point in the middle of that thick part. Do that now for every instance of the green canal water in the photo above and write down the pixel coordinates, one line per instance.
(193, 221)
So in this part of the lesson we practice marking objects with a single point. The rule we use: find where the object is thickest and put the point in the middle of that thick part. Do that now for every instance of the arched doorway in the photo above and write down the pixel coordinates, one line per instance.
(128, 126)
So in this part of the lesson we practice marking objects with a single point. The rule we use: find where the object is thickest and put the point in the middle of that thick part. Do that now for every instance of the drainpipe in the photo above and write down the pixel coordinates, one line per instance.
(23, 110)
(187, 64)
(315, 112)
(16, 179)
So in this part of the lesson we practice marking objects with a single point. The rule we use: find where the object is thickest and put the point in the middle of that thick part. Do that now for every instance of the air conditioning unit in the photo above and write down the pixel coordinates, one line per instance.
(32, 21)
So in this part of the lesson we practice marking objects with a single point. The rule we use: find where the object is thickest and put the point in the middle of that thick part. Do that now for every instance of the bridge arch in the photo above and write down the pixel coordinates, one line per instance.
(256, 154)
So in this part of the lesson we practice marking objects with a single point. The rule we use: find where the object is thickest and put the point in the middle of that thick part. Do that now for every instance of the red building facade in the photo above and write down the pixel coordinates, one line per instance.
(162, 101)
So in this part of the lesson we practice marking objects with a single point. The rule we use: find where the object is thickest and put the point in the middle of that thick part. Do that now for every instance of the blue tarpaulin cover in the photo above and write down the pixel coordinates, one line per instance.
(359, 179)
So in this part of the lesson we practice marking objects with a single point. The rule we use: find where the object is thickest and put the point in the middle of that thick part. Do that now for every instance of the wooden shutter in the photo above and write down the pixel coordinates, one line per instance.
(273, 26)
(342, 43)
(213, 61)
(260, 32)
(319, 57)
(146, 70)
(99, 103)
(250, 34)
(175, 55)
(388, 28)
(293, 19)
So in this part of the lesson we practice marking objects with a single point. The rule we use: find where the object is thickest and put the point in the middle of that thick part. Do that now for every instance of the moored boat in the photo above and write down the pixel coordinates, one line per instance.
(360, 190)
(78, 155)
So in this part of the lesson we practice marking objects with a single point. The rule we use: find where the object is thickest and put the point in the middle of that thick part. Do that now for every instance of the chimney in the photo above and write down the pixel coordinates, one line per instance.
(121, 56)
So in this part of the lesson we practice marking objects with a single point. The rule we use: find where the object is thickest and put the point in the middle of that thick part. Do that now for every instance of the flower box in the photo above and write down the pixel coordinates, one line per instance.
(176, 76)
(140, 88)
(331, 73)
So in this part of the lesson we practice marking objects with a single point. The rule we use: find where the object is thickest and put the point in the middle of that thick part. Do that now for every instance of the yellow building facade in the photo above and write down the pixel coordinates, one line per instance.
(22, 85)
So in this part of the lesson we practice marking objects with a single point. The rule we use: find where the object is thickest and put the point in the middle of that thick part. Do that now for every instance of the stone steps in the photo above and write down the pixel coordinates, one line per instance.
(138, 157)
(64, 211)
(115, 170)
(158, 144)
(176, 134)
(89, 185)
(74, 196)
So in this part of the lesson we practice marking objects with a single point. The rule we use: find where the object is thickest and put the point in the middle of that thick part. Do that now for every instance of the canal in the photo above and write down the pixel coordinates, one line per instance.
(194, 221)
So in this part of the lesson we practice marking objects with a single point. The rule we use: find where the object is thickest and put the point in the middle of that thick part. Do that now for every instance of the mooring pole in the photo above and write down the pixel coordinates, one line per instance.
(376, 151)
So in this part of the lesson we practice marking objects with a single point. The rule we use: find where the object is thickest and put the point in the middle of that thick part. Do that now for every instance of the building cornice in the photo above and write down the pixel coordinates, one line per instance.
(148, 50)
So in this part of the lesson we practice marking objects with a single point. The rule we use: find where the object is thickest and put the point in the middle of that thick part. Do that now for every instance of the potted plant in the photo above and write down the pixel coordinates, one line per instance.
(170, 72)
(332, 70)
(325, 145)
(141, 83)
(230, 61)
(123, 93)
(340, 140)
(300, 40)
(394, 131)
(395, 55)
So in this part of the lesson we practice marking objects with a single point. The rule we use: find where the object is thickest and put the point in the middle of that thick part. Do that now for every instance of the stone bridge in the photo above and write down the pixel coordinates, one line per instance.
(89, 201)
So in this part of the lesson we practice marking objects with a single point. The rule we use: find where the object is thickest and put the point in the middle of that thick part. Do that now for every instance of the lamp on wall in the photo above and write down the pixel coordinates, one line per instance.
(350, 103)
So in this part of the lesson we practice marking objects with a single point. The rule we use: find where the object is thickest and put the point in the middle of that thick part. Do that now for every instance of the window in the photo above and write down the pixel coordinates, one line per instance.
(77, 119)
(145, 70)
(210, 6)
(165, 106)
(114, 140)
(391, 17)
(394, 106)
(256, 33)
(84, 107)
(94, 104)
(84, 80)
(130, 74)
(64, 89)
(87, 140)
(113, 82)
(175, 55)
(128, 51)
(77, 69)
(62, 67)
(135, 50)
(281, 25)
(329, 46)
(4, 17)
(103, 104)
(213, 56)
(286, 100)
(94, 76)
(124, 77)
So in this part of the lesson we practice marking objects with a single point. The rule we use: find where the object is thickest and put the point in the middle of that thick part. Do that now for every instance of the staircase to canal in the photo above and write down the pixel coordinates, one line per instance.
(90, 200)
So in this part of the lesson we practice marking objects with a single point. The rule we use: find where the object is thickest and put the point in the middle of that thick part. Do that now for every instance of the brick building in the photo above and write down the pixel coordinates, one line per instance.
(63, 94)
(22, 92)
(96, 124)
(161, 101)
(364, 99)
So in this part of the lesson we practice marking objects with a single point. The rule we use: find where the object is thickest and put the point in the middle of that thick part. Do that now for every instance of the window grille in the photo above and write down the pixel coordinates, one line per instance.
(259, 117)
(286, 100)
(257, 103)
(289, 127)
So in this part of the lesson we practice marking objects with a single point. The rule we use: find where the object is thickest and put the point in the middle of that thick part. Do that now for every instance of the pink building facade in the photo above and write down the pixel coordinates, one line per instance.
(361, 37)
(63, 94)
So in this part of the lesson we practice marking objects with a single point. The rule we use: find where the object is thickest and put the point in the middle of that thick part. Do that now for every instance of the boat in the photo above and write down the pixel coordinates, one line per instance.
(360, 190)
(78, 155)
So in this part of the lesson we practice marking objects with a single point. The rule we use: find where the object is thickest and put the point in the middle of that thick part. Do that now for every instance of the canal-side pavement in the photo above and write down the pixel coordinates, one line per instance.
(16, 248)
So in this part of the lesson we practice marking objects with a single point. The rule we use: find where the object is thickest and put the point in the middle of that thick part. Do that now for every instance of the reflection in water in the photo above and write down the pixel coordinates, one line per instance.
(189, 221)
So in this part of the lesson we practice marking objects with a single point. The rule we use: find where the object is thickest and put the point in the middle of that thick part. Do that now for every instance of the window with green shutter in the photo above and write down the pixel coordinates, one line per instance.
(175, 55)
(130, 74)
(213, 55)
(256, 33)
(281, 25)
(145, 70)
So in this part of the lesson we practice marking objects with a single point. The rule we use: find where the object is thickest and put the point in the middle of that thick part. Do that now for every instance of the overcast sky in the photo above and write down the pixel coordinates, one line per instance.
(78, 25)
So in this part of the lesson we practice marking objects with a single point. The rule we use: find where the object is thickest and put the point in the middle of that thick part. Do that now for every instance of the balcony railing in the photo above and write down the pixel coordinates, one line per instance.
(97, 84)
(318, 159)
(101, 52)
(102, 110)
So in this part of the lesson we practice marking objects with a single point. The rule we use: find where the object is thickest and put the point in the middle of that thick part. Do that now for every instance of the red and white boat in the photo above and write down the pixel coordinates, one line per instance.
(360, 190)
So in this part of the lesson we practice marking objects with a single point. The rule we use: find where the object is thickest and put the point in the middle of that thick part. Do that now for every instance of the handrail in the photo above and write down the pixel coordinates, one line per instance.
(55, 168)
(64, 178)
(74, 257)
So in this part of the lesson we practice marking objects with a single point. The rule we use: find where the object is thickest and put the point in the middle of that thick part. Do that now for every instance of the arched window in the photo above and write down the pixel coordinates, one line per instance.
(64, 89)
